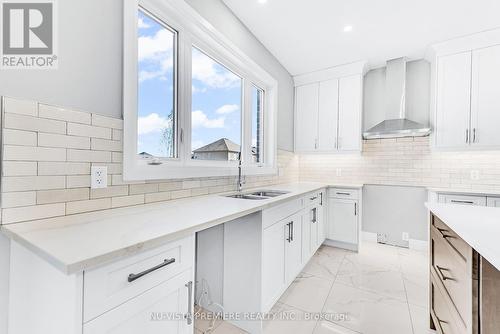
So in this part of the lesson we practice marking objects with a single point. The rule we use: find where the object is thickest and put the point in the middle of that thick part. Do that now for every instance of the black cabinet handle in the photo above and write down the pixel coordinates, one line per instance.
(443, 277)
(346, 194)
(133, 277)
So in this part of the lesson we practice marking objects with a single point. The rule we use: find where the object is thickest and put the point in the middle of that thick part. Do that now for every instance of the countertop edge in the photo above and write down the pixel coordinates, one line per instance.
(96, 261)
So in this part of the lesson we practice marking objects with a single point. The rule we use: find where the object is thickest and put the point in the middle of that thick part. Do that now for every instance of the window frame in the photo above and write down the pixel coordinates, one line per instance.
(194, 31)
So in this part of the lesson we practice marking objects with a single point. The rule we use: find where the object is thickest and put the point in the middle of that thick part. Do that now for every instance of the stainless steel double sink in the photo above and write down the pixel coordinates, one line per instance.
(259, 194)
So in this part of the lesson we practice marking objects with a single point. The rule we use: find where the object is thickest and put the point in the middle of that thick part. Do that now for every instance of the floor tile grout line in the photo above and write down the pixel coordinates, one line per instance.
(407, 300)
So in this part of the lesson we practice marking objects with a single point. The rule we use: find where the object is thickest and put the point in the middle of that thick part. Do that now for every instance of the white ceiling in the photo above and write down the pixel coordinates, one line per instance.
(307, 35)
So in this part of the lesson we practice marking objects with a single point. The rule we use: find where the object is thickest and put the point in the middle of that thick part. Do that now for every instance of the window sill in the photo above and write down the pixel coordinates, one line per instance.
(142, 171)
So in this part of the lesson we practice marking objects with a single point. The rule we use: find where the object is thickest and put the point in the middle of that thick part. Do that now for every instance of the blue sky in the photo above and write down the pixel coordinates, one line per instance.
(216, 100)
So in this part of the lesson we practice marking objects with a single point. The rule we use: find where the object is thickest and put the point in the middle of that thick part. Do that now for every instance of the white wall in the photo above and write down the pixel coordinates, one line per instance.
(90, 61)
(224, 20)
(89, 76)
(417, 94)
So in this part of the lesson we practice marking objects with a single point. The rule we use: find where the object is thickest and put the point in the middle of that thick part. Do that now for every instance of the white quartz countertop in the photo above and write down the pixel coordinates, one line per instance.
(79, 242)
(479, 226)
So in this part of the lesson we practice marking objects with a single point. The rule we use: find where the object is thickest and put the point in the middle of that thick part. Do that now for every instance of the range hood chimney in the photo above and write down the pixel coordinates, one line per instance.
(396, 125)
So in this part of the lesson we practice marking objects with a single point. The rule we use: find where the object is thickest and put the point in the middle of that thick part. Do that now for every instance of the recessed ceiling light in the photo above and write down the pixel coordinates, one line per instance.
(347, 28)
(261, 1)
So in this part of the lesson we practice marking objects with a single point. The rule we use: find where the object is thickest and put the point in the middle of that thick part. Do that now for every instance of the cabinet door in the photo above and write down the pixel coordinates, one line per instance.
(149, 313)
(494, 202)
(328, 114)
(306, 108)
(453, 100)
(485, 108)
(343, 220)
(306, 236)
(273, 262)
(293, 247)
(350, 107)
(321, 222)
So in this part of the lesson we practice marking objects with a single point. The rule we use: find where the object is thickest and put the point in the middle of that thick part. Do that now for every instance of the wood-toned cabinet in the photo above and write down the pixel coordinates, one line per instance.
(464, 287)
(328, 115)
(467, 99)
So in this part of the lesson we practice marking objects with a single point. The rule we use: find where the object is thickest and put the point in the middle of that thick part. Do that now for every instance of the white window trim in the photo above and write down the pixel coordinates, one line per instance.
(194, 30)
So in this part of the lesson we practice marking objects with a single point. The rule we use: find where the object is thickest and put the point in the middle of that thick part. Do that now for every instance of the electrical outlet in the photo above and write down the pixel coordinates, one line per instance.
(281, 172)
(99, 177)
(406, 236)
(339, 171)
(474, 174)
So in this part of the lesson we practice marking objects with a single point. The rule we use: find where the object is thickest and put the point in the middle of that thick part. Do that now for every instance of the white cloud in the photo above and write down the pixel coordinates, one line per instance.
(141, 24)
(210, 73)
(195, 90)
(200, 120)
(152, 123)
(228, 109)
(156, 52)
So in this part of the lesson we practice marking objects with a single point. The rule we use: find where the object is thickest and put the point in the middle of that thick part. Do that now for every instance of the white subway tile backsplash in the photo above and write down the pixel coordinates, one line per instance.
(106, 145)
(109, 192)
(108, 122)
(61, 195)
(19, 137)
(48, 153)
(87, 206)
(47, 111)
(30, 123)
(88, 156)
(22, 107)
(77, 181)
(117, 202)
(30, 153)
(15, 199)
(84, 130)
(24, 183)
(14, 215)
(56, 140)
(19, 168)
(63, 168)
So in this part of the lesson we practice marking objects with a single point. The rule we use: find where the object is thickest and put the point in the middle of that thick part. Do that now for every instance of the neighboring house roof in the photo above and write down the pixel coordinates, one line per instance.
(221, 145)
(145, 154)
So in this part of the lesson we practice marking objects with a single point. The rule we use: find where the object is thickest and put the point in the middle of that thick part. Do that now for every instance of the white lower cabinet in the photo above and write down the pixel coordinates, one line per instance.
(150, 292)
(293, 247)
(343, 218)
(462, 199)
(494, 202)
(273, 262)
(165, 308)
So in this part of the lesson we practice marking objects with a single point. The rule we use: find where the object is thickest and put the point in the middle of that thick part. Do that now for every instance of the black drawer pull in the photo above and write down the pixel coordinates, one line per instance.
(443, 277)
(346, 194)
(313, 198)
(133, 277)
(461, 201)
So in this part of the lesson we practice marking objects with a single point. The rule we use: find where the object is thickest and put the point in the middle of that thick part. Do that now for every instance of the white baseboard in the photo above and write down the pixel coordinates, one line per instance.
(368, 236)
(418, 245)
(340, 244)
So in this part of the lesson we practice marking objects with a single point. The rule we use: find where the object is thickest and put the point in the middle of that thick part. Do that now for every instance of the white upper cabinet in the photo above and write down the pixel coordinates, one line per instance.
(453, 100)
(350, 109)
(306, 102)
(328, 109)
(485, 107)
(467, 92)
(327, 115)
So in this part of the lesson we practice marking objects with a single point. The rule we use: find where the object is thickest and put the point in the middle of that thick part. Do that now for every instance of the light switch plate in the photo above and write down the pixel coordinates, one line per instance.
(338, 172)
(99, 177)
(474, 174)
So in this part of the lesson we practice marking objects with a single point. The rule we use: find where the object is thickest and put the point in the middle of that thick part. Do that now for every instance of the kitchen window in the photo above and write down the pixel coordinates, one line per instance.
(215, 110)
(194, 104)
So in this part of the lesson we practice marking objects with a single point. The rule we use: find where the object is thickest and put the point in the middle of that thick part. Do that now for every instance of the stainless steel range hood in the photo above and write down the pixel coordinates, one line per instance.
(396, 125)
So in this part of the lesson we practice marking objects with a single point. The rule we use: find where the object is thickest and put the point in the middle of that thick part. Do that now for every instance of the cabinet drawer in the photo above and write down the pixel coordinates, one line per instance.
(344, 193)
(451, 270)
(313, 198)
(442, 315)
(108, 286)
(281, 211)
(450, 237)
(161, 309)
(462, 199)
